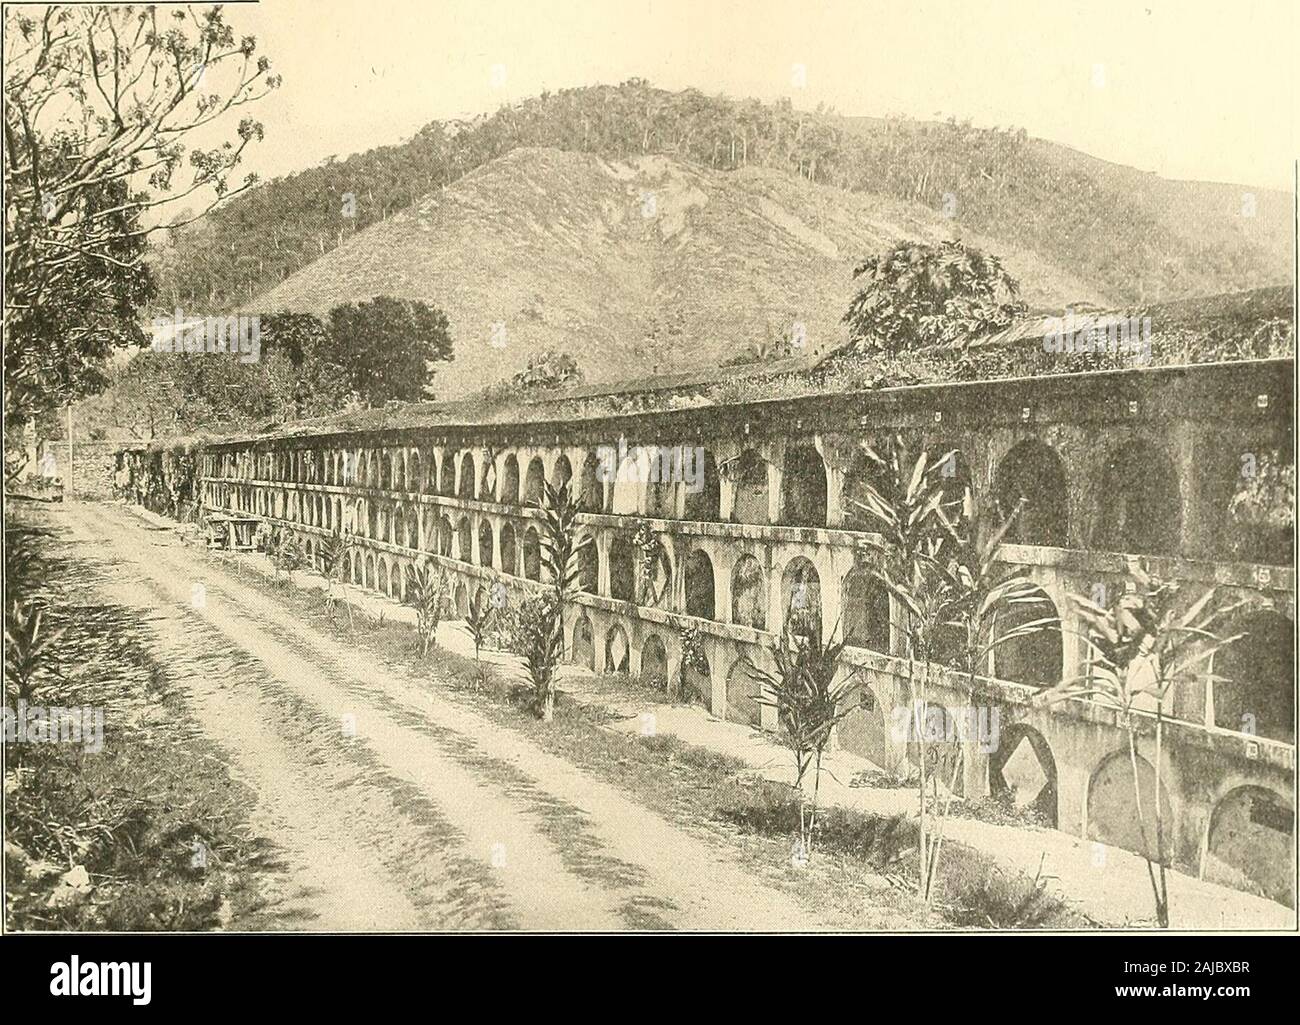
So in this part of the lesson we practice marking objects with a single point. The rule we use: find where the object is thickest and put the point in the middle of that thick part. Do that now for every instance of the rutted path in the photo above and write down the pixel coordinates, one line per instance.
(395, 808)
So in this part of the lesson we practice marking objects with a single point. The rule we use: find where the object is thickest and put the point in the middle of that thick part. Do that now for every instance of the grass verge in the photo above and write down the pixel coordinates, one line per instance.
(150, 831)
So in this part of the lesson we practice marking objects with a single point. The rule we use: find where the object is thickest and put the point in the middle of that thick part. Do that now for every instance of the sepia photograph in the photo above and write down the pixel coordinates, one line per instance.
(817, 467)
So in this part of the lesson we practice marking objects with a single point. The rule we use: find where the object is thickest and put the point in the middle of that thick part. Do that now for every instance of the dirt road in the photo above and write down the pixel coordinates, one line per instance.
(395, 808)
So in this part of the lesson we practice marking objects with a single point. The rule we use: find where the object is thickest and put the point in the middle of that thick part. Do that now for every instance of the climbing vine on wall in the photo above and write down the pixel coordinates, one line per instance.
(1266, 497)
(654, 563)
(693, 650)
(693, 657)
(1262, 510)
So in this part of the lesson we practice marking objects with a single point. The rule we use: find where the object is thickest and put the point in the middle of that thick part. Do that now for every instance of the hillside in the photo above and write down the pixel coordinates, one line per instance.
(641, 266)
(1144, 238)
(1132, 235)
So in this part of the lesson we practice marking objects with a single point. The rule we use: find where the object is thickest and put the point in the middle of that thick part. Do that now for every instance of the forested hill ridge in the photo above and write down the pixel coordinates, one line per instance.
(1136, 237)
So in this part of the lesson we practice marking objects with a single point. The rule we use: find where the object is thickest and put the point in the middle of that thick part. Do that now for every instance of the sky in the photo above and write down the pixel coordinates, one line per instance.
(1187, 89)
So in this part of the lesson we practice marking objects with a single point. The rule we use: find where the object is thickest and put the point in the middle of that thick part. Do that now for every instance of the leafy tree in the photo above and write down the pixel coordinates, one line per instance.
(141, 397)
(98, 102)
(157, 394)
(301, 337)
(296, 354)
(63, 324)
(381, 350)
(917, 294)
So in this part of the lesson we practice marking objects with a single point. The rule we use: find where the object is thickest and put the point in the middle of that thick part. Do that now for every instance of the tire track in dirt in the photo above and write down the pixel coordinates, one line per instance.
(541, 891)
(353, 854)
(578, 852)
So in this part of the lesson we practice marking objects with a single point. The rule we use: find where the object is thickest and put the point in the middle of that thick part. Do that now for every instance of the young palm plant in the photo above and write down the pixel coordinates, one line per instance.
(808, 704)
(22, 559)
(542, 630)
(562, 553)
(27, 647)
(560, 547)
(288, 554)
(479, 621)
(902, 505)
(977, 590)
(1139, 648)
(426, 589)
(332, 556)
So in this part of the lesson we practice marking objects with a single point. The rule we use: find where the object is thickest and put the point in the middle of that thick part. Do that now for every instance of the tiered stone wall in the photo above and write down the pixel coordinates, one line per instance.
(1108, 466)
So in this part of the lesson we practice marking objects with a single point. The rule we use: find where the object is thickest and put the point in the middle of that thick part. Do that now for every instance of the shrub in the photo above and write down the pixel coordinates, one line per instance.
(539, 638)
(479, 622)
(426, 590)
(808, 704)
(287, 554)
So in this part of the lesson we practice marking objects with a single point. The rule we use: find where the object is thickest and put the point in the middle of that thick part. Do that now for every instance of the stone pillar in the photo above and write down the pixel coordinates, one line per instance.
(1197, 449)
(726, 499)
(598, 630)
(1071, 797)
(835, 511)
(975, 769)
(634, 645)
(679, 500)
(767, 719)
(775, 484)
(677, 601)
(603, 539)
(832, 595)
(775, 599)
(722, 565)
(717, 676)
